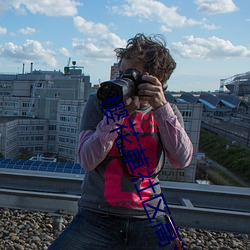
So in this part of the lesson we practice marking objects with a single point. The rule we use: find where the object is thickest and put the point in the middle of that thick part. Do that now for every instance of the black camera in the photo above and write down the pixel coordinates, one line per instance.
(124, 87)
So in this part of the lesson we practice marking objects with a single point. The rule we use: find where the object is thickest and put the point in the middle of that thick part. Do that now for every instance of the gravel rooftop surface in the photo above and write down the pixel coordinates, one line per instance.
(24, 230)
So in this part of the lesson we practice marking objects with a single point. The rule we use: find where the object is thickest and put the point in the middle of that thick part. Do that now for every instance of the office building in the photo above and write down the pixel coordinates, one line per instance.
(40, 111)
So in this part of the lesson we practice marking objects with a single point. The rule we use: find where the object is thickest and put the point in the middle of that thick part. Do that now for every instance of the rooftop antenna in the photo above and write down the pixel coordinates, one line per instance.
(66, 68)
(69, 62)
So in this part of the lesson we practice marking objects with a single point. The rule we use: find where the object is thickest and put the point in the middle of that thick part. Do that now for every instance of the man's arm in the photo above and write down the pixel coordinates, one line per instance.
(94, 145)
(177, 144)
(95, 139)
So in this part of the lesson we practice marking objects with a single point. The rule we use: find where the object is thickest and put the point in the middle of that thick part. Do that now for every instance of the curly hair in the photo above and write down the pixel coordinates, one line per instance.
(152, 51)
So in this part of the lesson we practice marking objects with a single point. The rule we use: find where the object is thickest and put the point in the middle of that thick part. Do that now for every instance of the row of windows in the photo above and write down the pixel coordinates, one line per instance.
(67, 140)
(11, 141)
(68, 118)
(186, 113)
(10, 104)
(9, 112)
(66, 151)
(52, 127)
(67, 129)
(5, 86)
(5, 93)
(16, 104)
(172, 173)
(41, 138)
(31, 138)
(70, 108)
(51, 137)
(36, 148)
(32, 128)
(28, 104)
(11, 131)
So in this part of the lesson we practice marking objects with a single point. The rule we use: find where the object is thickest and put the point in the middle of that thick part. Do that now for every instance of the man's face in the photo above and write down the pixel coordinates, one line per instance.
(131, 64)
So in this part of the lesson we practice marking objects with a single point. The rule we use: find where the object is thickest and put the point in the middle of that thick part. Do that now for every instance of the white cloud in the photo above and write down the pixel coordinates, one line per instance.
(63, 51)
(155, 10)
(27, 31)
(211, 48)
(100, 43)
(207, 26)
(46, 7)
(3, 30)
(4, 5)
(214, 6)
(30, 51)
(94, 49)
(89, 28)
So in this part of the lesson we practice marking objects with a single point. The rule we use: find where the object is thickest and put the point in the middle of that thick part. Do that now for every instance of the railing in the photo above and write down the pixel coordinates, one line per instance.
(219, 208)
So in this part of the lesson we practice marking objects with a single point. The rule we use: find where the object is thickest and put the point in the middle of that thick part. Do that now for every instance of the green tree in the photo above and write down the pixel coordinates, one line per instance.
(234, 157)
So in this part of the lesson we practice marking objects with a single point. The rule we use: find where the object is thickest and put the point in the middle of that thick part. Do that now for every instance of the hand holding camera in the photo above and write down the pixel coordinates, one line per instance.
(151, 90)
(131, 85)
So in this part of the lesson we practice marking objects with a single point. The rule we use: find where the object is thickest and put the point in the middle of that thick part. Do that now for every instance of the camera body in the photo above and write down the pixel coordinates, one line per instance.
(124, 87)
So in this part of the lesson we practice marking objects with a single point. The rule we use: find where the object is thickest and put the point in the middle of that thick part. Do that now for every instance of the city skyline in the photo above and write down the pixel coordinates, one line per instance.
(207, 38)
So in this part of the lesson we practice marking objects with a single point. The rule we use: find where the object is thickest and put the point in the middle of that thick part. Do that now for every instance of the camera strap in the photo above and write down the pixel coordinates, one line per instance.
(122, 157)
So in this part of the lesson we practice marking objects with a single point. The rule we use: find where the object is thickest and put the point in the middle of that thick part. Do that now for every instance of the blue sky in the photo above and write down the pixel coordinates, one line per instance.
(209, 39)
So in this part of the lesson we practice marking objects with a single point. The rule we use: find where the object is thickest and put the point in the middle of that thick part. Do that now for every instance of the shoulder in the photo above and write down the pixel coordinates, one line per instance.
(93, 99)
(93, 103)
(92, 113)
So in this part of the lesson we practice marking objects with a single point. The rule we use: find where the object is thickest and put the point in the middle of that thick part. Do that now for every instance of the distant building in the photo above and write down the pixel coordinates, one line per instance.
(238, 85)
(192, 114)
(114, 72)
(41, 111)
(216, 103)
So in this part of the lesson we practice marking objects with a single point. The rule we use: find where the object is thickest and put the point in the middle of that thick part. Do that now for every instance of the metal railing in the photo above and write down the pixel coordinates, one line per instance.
(212, 207)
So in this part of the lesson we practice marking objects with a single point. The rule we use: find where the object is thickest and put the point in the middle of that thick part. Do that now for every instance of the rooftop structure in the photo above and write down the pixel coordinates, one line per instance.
(216, 102)
(238, 84)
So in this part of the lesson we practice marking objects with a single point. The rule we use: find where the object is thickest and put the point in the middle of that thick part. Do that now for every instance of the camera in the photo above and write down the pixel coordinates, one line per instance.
(124, 87)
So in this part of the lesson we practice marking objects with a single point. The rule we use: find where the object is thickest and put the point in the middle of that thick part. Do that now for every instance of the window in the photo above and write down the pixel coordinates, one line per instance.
(39, 138)
(51, 137)
(186, 113)
(52, 127)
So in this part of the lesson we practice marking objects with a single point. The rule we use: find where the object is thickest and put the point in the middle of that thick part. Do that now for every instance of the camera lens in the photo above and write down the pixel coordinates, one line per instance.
(122, 88)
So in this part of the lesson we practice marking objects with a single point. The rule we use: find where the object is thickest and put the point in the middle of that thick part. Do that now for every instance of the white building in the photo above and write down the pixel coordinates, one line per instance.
(40, 111)
(192, 114)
